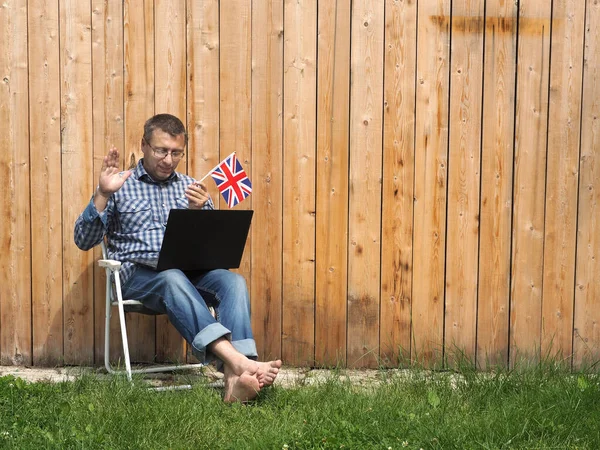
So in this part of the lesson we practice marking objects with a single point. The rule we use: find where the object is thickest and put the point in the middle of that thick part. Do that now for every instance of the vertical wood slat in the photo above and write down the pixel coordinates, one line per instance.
(267, 176)
(364, 216)
(529, 179)
(203, 90)
(138, 59)
(431, 159)
(170, 91)
(586, 345)
(464, 159)
(235, 83)
(235, 74)
(500, 55)
(568, 17)
(46, 204)
(398, 181)
(333, 109)
(15, 231)
(107, 59)
(299, 134)
(77, 176)
(169, 63)
(202, 95)
(236, 98)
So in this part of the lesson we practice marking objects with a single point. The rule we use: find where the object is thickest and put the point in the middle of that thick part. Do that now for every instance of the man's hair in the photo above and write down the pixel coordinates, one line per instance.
(164, 122)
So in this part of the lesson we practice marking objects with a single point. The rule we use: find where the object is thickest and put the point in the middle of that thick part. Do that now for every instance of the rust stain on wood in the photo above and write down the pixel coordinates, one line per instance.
(469, 24)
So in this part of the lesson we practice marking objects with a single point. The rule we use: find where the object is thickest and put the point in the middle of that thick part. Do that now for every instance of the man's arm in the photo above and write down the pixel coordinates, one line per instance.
(100, 200)
(92, 224)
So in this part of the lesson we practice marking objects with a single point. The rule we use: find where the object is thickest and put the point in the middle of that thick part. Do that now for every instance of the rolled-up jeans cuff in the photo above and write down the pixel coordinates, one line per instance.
(246, 347)
(209, 334)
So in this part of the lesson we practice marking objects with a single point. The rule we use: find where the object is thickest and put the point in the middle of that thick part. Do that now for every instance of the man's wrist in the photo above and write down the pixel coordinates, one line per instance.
(101, 194)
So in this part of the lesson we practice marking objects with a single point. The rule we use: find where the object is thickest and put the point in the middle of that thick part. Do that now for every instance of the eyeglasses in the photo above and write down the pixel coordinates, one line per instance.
(163, 152)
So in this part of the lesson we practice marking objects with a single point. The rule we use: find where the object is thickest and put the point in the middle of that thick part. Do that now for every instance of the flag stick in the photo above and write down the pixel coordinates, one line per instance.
(213, 169)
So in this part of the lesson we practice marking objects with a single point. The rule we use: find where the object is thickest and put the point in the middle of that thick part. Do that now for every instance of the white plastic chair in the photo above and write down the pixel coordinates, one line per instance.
(113, 289)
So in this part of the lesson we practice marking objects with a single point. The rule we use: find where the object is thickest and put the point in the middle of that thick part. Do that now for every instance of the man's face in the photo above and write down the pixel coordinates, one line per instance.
(158, 167)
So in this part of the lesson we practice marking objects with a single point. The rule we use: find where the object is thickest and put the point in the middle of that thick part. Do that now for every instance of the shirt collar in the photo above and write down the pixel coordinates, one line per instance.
(139, 173)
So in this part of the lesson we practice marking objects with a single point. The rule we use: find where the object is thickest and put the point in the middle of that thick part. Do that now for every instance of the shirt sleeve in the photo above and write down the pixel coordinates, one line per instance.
(209, 204)
(91, 226)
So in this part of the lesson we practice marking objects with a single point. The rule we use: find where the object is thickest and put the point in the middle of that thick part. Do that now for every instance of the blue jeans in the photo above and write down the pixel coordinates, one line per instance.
(185, 298)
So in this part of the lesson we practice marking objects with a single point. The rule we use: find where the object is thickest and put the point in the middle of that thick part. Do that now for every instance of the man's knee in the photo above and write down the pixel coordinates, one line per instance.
(237, 282)
(237, 288)
(231, 287)
(173, 281)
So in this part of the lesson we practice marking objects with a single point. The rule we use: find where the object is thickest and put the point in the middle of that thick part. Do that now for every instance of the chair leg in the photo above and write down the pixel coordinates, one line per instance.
(123, 327)
(107, 325)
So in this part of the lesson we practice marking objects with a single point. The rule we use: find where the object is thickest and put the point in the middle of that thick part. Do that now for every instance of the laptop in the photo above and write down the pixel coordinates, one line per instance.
(204, 239)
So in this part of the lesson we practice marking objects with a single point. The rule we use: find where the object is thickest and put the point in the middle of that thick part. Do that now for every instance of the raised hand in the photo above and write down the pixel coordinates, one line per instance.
(111, 175)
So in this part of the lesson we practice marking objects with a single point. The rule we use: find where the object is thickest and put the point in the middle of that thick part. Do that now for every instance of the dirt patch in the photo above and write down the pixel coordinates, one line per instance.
(54, 375)
(288, 377)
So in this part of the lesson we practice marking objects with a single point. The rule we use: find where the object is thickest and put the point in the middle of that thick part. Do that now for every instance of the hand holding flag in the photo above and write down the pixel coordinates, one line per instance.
(232, 181)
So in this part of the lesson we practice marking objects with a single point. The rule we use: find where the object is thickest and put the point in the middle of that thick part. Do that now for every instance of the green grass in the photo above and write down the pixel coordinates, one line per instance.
(538, 407)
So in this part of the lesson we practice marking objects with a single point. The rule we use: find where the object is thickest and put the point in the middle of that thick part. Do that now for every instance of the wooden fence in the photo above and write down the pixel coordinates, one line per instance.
(425, 174)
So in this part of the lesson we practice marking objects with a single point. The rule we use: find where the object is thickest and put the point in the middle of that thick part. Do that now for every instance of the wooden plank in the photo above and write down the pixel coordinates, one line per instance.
(500, 56)
(299, 134)
(333, 109)
(203, 95)
(170, 91)
(398, 180)
(568, 17)
(203, 90)
(529, 179)
(15, 231)
(464, 160)
(77, 176)
(170, 72)
(333, 87)
(267, 176)
(431, 155)
(364, 217)
(46, 204)
(236, 98)
(107, 58)
(138, 58)
(586, 345)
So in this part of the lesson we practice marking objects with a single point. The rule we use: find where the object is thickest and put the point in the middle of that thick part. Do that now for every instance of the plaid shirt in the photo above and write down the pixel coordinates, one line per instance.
(135, 219)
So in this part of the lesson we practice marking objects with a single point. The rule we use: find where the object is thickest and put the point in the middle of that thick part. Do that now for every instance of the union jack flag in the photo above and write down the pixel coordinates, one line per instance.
(232, 181)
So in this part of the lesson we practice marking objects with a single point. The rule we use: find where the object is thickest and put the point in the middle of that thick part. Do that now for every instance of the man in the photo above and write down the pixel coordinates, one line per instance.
(131, 207)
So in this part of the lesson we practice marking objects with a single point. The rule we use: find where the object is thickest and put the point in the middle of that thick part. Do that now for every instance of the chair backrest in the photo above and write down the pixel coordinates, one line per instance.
(103, 247)
(110, 292)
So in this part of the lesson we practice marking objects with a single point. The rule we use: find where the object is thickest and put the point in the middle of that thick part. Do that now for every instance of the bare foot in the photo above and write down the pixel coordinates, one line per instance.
(240, 388)
(264, 372)
(244, 377)
(267, 372)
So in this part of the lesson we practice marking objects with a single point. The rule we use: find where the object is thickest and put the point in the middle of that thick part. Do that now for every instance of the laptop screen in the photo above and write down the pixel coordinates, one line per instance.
(204, 239)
